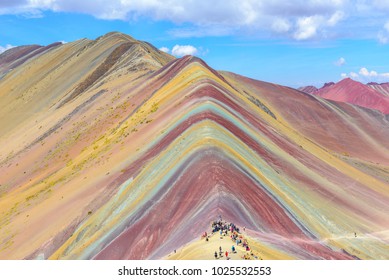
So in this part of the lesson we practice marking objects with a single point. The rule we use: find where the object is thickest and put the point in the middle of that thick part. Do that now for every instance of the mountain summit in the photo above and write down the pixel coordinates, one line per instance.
(112, 149)
(373, 96)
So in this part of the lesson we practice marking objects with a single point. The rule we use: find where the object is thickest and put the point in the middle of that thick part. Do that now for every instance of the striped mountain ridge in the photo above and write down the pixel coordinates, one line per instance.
(84, 63)
(382, 88)
(151, 149)
(18, 55)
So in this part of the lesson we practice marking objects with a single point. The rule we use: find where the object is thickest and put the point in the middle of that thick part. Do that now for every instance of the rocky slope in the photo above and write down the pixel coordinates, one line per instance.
(111, 149)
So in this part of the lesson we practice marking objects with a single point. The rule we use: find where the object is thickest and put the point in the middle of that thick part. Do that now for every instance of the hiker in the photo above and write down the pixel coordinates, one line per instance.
(215, 255)
(227, 255)
(233, 249)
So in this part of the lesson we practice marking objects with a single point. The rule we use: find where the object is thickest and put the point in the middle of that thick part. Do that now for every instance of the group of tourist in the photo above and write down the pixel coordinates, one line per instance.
(228, 229)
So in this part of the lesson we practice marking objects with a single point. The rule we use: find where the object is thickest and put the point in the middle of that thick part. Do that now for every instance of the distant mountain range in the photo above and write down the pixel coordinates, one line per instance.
(372, 95)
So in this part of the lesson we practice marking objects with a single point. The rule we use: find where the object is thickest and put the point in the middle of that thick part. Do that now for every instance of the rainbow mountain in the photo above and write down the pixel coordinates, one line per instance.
(113, 149)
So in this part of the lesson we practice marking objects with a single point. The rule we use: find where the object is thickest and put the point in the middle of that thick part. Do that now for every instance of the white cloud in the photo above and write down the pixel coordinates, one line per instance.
(164, 49)
(281, 25)
(364, 75)
(184, 50)
(340, 62)
(364, 72)
(5, 48)
(299, 19)
(335, 18)
(306, 28)
(309, 27)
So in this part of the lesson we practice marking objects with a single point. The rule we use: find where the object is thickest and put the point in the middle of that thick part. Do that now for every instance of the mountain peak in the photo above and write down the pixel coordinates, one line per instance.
(117, 35)
(348, 80)
(354, 92)
(328, 84)
(308, 89)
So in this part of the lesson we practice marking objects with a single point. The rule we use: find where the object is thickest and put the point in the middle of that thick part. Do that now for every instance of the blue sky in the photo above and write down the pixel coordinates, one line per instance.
(292, 43)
